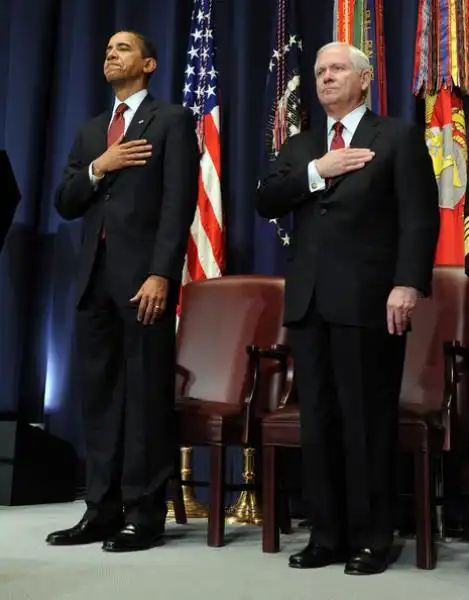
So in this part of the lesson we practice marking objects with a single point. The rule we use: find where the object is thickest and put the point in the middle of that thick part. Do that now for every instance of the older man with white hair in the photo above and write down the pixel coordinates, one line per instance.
(365, 205)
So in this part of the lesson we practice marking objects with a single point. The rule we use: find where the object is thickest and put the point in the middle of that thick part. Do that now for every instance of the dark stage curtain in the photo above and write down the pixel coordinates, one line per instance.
(51, 54)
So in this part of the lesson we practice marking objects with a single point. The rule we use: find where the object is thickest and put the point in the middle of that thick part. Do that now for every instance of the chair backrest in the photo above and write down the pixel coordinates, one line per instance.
(442, 318)
(220, 318)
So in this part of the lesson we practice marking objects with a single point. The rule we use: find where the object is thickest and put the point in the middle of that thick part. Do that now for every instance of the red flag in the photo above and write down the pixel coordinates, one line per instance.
(447, 143)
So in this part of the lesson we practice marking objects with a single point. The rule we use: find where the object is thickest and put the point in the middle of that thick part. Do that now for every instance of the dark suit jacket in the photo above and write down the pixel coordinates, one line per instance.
(371, 230)
(146, 211)
(10, 196)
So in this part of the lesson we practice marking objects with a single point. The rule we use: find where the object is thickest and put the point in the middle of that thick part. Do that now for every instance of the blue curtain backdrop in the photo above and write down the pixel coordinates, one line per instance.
(51, 54)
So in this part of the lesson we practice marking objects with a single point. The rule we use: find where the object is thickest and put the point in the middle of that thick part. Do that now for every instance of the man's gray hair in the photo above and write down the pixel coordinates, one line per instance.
(359, 59)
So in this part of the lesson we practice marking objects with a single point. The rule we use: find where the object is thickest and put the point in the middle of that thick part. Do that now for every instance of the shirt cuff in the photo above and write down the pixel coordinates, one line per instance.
(94, 180)
(315, 182)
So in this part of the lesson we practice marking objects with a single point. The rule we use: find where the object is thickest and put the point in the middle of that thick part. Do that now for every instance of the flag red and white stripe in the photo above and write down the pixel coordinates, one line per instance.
(205, 253)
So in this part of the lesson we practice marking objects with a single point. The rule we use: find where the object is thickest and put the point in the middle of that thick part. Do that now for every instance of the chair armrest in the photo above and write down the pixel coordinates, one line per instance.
(278, 352)
(282, 353)
(456, 364)
(182, 379)
(456, 359)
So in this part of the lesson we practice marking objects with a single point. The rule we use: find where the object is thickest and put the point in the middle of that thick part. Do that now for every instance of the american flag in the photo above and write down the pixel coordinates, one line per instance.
(205, 251)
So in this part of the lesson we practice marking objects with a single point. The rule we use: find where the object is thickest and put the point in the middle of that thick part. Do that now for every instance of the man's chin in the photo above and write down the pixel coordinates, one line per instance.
(114, 78)
(329, 100)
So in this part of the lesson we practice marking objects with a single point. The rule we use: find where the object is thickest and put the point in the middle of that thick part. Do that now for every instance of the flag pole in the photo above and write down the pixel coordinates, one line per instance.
(194, 509)
(206, 253)
(246, 510)
(285, 117)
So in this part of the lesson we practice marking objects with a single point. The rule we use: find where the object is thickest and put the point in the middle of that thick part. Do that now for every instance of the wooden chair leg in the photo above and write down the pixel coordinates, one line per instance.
(426, 553)
(178, 501)
(216, 515)
(270, 531)
(439, 497)
(283, 504)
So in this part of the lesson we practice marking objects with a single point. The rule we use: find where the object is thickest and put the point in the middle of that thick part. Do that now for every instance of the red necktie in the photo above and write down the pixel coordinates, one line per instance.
(337, 141)
(116, 129)
(117, 126)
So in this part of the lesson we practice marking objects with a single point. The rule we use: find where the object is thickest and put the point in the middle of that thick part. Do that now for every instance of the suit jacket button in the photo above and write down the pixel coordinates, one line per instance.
(107, 197)
(323, 211)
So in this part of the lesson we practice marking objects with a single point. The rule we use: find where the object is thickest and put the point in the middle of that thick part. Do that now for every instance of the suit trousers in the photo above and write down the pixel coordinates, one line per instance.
(348, 380)
(127, 377)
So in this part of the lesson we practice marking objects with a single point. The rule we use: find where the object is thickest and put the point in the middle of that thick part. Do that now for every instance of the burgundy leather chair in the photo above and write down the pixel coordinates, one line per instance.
(433, 394)
(224, 386)
(433, 406)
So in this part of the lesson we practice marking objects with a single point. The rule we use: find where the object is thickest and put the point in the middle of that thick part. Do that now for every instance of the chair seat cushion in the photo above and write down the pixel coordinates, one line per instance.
(200, 422)
(287, 414)
(207, 408)
(282, 427)
(407, 412)
(418, 412)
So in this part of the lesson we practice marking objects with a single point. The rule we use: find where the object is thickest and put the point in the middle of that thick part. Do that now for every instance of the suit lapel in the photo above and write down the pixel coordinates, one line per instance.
(366, 131)
(140, 121)
(364, 136)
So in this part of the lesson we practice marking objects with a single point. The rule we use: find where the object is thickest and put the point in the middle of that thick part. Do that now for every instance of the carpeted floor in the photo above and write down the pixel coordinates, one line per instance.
(185, 569)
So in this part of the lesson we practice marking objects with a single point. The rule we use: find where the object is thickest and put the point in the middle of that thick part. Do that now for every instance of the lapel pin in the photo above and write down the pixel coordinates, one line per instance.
(140, 122)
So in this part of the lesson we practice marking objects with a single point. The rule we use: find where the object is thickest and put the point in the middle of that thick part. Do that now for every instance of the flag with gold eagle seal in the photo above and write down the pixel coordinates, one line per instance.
(441, 77)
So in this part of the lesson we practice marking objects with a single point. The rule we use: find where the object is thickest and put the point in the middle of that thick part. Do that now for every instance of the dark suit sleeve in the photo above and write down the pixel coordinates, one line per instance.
(419, 217)
(285, 186)
(75, 193)
(180, 182)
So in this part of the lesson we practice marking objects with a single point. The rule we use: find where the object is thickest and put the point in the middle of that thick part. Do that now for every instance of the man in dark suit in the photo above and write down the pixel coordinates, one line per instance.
(132, 175)
(365, 205)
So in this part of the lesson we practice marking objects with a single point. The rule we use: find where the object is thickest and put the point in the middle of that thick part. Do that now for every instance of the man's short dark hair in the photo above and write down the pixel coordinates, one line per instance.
(147, 47)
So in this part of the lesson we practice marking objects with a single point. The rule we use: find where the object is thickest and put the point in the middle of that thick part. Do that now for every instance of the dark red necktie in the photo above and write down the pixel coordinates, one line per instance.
(117, 126)
(337, 142)
(116, 129)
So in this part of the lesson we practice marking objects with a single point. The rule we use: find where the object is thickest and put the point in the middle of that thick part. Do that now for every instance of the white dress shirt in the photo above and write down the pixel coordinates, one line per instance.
(350, 123)
(133, 102)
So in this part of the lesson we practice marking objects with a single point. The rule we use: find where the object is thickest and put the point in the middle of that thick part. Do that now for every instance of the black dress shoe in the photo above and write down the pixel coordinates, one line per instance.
(315, 556)
(367, 562)
(84, 532)
(132, 538)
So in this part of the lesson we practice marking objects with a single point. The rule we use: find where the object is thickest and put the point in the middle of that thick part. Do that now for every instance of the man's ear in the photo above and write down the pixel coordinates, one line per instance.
(365, 79)
(149, 66)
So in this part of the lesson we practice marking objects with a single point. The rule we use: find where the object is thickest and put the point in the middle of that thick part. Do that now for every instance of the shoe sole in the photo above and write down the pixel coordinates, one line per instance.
(328, 564)
(56, 543)
(363, 573)
(154, 544)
